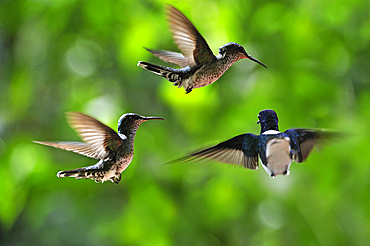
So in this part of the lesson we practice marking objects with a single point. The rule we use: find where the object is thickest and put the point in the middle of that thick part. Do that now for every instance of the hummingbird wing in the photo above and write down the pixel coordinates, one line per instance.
(77, 147)
(302, 141)
(241, 150)
(188, 39)
(170, 56)
(100, 138)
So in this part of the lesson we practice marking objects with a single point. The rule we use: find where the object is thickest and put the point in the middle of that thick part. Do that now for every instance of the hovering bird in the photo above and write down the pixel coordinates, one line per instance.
(276, 149)
(199, 67)
(114, 151)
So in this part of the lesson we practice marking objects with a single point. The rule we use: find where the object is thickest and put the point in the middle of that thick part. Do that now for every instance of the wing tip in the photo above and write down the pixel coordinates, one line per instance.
(45, 143)
(168, 7)
(72, 114)
(147, 49)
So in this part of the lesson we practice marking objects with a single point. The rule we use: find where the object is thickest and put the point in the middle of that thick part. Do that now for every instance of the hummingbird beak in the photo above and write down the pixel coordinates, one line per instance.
(153, 118)
(255, 60)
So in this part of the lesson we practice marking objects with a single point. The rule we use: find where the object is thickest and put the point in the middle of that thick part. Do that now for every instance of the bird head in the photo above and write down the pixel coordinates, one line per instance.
(238, 51)
(268, 120)
(132, 121)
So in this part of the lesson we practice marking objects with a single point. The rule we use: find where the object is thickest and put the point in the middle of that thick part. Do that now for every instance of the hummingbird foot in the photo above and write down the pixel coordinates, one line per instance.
(116, 179)
(189, 89)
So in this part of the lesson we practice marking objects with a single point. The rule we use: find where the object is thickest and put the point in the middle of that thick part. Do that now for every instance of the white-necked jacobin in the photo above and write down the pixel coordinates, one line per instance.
(275, 149)
(114, 151)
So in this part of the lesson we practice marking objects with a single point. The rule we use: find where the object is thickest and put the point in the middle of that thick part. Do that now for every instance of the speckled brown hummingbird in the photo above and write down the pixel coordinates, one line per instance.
(114, 151)
(199, 67)
(276, 149)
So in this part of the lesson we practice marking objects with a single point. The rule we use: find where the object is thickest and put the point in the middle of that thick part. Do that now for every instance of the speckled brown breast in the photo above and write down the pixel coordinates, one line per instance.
(209, 74)
(123, 162)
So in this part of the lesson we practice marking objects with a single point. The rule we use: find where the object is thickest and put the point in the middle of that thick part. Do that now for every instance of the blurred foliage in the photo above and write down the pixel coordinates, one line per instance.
(70, 55)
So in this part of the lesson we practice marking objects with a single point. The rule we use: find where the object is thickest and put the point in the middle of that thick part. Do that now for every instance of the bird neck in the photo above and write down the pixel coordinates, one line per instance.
(129, 131)
(269, 125)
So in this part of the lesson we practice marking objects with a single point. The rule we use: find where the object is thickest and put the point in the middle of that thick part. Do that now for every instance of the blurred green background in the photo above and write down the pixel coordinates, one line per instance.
(70, 55)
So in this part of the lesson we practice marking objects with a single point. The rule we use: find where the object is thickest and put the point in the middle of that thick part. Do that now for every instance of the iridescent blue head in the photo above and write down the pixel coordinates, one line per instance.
(236, 51)
(268, 120)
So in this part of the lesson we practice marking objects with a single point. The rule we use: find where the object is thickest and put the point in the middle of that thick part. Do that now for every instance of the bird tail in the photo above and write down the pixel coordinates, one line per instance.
(80, 173)
(165, 72)
(94, 172)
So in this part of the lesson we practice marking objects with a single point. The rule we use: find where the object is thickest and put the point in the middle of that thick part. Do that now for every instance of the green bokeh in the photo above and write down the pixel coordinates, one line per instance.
(70, 55)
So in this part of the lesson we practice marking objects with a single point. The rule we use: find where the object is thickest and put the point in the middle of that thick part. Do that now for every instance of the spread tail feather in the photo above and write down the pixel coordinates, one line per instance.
(163, 71)
(80, 173)
(168, 73)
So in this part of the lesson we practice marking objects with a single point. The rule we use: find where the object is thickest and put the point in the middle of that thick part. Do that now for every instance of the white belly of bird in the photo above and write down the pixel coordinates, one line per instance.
(278, 155)
(185, 83)
(111, 173)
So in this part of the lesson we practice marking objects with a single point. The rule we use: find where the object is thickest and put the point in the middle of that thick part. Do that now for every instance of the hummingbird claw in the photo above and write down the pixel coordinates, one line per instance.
(189, 89)
(116, 179)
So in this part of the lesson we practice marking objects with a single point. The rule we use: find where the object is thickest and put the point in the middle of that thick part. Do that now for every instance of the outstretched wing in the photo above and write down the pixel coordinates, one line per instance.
(302, 141)
(170, 56)
(188, 39)
(100, 138)
(77, 147)
(241, 150)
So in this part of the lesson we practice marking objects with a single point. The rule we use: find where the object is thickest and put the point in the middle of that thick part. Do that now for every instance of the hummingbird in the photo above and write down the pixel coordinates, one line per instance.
(198, 66)
(113, 150)
(275, 149)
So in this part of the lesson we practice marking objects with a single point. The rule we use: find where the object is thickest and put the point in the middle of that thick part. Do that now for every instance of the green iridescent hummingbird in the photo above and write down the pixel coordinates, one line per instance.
(113, 150)
(199, 67)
